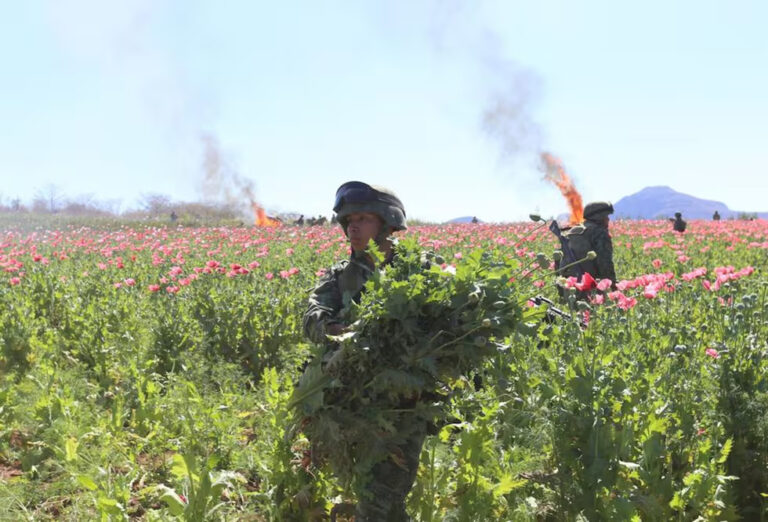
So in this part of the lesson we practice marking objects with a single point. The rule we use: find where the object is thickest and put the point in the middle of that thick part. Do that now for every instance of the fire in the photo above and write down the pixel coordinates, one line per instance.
(260, 218)
(555, 172)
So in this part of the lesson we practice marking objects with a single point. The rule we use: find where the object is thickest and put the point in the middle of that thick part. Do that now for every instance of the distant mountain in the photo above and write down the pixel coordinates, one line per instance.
(464, 219)
(663, 202)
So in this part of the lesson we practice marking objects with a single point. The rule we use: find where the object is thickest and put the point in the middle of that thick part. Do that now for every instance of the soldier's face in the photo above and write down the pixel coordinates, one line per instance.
(361, 228)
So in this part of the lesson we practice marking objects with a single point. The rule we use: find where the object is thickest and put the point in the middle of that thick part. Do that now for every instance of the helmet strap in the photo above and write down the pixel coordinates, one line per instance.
(383, 236)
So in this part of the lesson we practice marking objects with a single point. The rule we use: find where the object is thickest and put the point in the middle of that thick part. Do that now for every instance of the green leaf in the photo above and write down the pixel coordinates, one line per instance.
(172, 500)
(180, 468)
(725, 451)
(87, 482)
(70, 449)
(629, 465)
(110, 505)
(507, 484)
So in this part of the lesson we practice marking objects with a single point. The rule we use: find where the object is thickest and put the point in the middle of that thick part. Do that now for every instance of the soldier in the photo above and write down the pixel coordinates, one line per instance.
(678, 224)
(716, 216)
(365, 213)
(592, 235)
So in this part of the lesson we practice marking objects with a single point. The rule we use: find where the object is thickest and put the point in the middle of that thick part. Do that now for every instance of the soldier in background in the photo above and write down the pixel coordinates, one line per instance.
(365, 213)
(678, 224)
(716, 216)
(300, 221)
(592, 235)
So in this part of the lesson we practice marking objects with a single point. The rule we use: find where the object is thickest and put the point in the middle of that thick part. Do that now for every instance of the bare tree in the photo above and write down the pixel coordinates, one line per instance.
(48, 199)
(155, 204)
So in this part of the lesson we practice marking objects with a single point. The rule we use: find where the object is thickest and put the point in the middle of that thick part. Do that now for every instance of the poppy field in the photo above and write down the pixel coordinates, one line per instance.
(148, 373)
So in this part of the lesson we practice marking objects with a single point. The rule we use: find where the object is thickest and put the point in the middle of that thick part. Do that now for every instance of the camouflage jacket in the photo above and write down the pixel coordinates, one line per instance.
(330, 299)
(593, 236)
(679, 225)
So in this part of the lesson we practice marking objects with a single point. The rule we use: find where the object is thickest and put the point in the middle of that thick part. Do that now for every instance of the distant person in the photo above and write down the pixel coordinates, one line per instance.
(592, 235)
(474, 219)
(174, 217)
(716, 216)
(300, 221)
(678, 224)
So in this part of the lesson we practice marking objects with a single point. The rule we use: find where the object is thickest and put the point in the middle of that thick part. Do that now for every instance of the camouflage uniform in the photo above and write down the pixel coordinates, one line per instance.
(333, 294)
(383, 497)
(679, 224)
(593, 235)
(328, 304)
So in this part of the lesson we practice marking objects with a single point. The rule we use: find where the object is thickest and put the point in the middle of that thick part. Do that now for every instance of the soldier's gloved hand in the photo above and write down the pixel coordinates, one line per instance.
(335, 329)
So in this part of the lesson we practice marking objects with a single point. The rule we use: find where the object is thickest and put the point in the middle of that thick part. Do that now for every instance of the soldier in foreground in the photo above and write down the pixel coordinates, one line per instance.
(365, 213)
(593, 235)
(678, 224)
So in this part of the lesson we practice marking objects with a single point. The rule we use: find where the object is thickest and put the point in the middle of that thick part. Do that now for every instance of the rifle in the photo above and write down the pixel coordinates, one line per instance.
(553, 312)
(568, 256)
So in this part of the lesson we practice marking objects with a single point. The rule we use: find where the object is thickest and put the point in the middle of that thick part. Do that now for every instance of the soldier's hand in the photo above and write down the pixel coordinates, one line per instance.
(335, 329)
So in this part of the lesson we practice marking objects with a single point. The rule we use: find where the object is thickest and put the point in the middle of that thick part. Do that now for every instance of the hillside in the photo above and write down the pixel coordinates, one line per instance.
(661, 202)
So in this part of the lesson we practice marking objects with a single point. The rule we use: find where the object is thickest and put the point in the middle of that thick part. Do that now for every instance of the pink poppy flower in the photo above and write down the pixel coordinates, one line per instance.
(713, 353)
(604, 284)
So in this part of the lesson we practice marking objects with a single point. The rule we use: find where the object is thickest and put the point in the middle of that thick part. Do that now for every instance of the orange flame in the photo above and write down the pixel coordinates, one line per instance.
(555, 172)
(260, 218)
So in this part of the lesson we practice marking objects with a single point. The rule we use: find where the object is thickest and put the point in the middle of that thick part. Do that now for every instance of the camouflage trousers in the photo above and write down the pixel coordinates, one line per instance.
(384, 496)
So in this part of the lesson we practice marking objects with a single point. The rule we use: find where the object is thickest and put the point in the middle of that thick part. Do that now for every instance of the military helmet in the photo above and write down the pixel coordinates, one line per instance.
(356, 196)
(678, 215)
(597, 210)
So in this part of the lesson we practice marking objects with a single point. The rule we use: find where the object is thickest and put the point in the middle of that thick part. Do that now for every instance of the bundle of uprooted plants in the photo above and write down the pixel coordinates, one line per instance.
(420, 327)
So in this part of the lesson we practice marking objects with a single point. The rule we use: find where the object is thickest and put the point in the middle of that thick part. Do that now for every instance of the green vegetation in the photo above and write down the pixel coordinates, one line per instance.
(148, 373)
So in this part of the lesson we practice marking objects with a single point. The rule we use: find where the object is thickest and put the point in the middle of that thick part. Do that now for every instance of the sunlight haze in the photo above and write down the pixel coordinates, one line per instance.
(447, 103)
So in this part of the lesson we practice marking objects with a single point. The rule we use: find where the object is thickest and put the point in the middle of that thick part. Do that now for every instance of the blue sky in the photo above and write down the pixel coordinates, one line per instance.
(112, 99)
